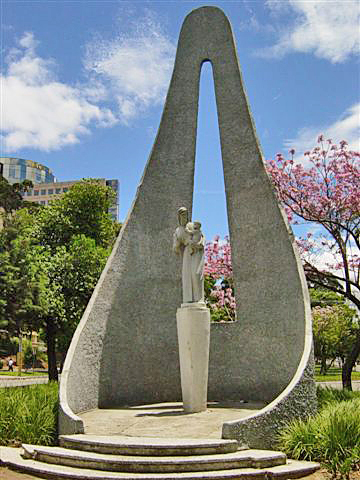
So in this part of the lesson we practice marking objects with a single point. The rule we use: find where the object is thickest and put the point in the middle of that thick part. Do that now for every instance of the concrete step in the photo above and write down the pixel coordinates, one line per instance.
(12, 458)
(121, 445)
(153, 464)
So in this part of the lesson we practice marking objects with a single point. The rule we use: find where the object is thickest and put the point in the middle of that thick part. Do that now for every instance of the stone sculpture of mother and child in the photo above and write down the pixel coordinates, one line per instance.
(189, 242)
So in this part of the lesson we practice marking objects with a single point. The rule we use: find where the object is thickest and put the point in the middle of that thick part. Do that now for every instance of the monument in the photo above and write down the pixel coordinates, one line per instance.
(124, 351)
(193, 317)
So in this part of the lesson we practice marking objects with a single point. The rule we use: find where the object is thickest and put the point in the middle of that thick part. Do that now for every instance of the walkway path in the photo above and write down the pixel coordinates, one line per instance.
(355, 385)
(6, 381)
(23, 381)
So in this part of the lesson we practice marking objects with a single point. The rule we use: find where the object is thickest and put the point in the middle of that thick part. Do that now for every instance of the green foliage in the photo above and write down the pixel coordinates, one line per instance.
(1, 364)
(7, 345)
(320, 297)
(50, 261)
(333, 374)
(84, 263)
(82, 210)
(331, 437)
(29, 415)
(29, 373)
(333, 395)
(18, 284)
(218, 314)
(335, 329)
(10, 197)
(27, 349)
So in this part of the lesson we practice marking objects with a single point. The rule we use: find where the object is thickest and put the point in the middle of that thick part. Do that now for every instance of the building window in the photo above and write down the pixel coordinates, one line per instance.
(29, 193)
(12, 172)
(57, 190)
(36, 192)
(43, 202)
(38, 177)
(50, 191)
(43, 192)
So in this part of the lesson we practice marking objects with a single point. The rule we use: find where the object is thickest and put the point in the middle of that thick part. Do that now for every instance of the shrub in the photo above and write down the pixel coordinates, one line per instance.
(29, 415)
(1, 364)
(330, 395)
(331, 437)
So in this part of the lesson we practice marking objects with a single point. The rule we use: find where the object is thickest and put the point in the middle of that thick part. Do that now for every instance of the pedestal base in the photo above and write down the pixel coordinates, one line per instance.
(193, 326)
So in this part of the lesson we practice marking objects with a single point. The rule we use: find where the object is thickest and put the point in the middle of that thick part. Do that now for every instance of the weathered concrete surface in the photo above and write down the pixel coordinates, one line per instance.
(14, 459)
(166, 420)
(193, 329)
(124, 351)
(146, 446)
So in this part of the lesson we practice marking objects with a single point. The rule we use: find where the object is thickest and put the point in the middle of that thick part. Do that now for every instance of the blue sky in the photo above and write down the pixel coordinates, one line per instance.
(83, 85)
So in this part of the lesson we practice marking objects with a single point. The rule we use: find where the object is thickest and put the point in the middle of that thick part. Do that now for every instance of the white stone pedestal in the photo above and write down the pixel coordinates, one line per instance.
(193, 326)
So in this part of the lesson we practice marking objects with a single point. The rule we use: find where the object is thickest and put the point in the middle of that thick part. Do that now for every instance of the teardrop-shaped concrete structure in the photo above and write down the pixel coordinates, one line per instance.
(124, 350)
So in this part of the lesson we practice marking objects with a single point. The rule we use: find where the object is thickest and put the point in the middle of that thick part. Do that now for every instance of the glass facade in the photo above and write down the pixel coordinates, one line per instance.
(15, 170)
(46, 188)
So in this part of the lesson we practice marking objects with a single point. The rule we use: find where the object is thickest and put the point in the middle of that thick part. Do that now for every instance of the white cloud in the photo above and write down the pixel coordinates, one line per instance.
(347, 127)
(329, 29)
(37, 110)
(28, 41)
(135, 67)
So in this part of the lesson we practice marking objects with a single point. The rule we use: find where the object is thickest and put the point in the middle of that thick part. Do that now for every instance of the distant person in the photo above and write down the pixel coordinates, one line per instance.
(11, 365)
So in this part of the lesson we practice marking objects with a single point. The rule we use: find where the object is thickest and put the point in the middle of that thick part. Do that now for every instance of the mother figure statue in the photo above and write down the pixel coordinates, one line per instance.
(189, 242)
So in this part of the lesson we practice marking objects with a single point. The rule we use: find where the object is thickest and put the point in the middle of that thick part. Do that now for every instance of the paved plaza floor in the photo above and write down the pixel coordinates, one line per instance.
(166, 420)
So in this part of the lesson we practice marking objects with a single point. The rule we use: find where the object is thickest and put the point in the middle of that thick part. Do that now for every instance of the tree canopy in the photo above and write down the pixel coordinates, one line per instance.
(323, 190)
(50, 261)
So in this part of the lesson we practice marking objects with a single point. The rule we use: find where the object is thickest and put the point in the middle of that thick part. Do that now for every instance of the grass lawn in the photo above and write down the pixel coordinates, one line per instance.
(23, 373)
(333, 375)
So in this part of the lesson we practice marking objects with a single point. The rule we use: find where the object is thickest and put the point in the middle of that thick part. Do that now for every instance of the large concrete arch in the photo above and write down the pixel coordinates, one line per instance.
(125, 348)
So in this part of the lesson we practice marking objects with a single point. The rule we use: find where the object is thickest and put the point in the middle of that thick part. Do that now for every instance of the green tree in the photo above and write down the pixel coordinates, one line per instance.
(324, 189)
(10, 195)
(18, 282)
(58, 253)
(84, 264)
(334, 328)
(82, 210)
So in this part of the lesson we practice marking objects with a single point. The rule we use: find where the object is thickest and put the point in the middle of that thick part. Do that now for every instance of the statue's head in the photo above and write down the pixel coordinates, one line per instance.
(183, 216)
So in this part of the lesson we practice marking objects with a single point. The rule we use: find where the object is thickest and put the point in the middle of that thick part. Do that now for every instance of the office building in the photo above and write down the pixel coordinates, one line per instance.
(46, 188)
(44, 193)
(15, 170)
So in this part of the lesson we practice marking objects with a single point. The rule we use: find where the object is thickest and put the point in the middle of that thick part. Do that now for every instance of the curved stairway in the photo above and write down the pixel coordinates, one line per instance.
(88, 457)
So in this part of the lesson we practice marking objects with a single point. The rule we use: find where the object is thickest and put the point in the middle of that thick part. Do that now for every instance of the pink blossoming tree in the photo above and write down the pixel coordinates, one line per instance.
(219, 291)
(324, 190)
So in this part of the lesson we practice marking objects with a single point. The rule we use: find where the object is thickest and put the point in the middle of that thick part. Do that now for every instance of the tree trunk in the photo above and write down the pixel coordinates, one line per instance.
(349, 363)
(62, 361)
(51, 351)
(323, 367)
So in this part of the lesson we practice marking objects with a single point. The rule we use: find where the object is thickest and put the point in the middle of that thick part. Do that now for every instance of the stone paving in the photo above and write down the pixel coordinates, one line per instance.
(166, 420)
